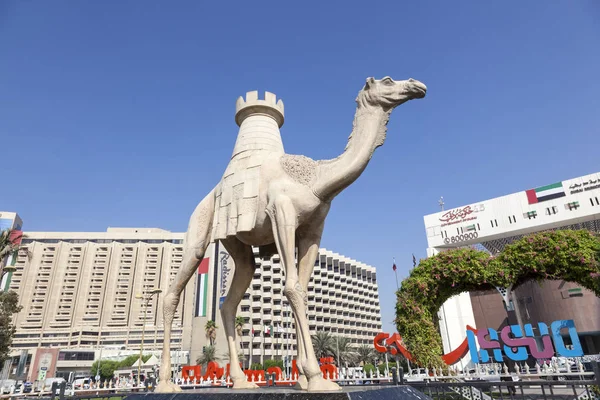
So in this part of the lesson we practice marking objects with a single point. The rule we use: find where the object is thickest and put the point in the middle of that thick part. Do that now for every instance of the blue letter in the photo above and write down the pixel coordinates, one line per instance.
(559, 344)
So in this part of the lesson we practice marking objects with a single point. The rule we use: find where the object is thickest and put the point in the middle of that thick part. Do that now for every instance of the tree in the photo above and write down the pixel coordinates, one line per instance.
(209, 353)
(239, 330)
(108, 367)
(343, 350)
(9, 305)
(240, 354)
(211, 331)
(322, 344)
(239, 325)
(365, 354)
(369, 369)
(272, 363)
(10, 240)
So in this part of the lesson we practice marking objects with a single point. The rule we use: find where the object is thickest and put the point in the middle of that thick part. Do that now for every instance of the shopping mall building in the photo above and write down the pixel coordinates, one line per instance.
(492, 224)
(80, 293)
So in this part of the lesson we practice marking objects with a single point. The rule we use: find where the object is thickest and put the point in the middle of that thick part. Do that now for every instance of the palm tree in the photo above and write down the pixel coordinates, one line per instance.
(211, 331)
(209, 353)
(239, 330)
(343, 350)
(10, 240)
(323, 344)
(365, 354)
(225, 356)
(239, 325)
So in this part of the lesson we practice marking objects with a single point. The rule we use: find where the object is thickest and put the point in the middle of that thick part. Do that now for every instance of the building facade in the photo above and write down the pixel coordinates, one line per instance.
(490, 225)
(89, 292)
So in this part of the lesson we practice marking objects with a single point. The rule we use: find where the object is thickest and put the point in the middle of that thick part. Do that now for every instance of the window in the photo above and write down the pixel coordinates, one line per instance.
(76, 355)
(494, 222)
(574, 205)
(511, 219)
(551, 210)
(595, 199)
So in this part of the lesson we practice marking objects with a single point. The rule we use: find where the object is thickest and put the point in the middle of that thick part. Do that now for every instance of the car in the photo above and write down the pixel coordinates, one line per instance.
(27, 387)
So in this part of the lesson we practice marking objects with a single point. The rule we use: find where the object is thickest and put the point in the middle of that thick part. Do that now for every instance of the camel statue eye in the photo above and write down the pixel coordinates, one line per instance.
(388, 82)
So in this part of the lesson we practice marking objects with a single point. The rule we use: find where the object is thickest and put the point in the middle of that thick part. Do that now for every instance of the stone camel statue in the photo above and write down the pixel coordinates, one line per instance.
(278, 202)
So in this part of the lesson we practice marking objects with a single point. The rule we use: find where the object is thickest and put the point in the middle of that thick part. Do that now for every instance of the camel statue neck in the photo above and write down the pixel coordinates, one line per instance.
(368, 133)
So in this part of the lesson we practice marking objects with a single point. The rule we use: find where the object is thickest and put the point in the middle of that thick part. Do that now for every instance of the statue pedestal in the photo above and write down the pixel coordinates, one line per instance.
(368, 392)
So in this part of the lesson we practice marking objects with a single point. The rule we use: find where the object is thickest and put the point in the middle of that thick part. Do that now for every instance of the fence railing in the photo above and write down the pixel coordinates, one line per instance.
(483, 383)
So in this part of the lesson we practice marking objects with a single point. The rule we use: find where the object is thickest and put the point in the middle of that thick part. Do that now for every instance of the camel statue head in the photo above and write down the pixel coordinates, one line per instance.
(388, 93)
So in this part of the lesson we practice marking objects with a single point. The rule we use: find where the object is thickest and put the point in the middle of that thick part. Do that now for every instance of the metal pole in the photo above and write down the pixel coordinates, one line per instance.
(337, 345)
(142, 344)
(387, 366)
(145, 305)
(289, 351)
(251, 336)
(396, 273)
(99, 361)
(446, 325)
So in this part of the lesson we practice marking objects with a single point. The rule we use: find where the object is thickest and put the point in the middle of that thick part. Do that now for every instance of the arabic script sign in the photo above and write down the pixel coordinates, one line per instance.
(585, 186)
(518, 347)
(461, 214)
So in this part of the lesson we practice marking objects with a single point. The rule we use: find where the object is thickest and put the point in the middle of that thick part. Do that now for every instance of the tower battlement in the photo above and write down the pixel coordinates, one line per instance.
(253, 106)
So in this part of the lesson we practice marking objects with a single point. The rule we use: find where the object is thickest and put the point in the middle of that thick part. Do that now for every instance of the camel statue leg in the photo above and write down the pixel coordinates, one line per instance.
(283, 218)
(244, 271)
(194, 245)
(308, 250)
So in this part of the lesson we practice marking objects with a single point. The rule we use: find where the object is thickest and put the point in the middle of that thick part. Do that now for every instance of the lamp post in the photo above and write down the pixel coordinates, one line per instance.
(139, 296)
(5, 271)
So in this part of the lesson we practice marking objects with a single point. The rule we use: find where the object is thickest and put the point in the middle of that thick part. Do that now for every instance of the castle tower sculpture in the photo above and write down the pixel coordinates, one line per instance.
(258, 137)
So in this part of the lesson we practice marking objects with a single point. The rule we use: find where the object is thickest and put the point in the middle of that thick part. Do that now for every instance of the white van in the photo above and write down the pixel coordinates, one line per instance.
(81, 383)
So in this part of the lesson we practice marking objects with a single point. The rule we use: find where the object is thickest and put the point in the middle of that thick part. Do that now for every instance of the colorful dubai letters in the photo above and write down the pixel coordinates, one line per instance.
(518, 347)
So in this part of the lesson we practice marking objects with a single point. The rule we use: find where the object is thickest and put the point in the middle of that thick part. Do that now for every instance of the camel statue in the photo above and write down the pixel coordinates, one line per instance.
(277, 202)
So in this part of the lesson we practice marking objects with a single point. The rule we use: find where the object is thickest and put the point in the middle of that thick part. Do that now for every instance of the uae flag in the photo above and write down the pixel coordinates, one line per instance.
(544, 193)
(202, 288)
(469, 228)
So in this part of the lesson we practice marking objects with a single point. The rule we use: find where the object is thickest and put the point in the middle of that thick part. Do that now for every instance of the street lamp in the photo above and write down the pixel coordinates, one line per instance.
(9, 268)
(5, 271)
(139, 296)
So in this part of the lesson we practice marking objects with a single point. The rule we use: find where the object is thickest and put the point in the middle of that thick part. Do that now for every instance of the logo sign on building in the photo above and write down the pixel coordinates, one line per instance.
(459, 215)
(584, 185)
(517, 345)
(226, 272)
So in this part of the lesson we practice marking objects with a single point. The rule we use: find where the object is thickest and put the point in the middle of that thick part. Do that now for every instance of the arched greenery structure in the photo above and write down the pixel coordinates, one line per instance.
(568, 255)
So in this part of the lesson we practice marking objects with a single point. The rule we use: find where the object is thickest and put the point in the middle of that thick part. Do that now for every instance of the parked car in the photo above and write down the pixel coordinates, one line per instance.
(27, 387)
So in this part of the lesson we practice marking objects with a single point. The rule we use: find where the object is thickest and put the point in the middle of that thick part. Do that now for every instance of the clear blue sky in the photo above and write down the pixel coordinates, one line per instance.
(120, 113)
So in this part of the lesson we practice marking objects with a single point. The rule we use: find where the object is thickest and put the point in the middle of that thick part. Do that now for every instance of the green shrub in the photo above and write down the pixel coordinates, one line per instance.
(256, 366)
(381, 367)
(273, 363)
(369, 368)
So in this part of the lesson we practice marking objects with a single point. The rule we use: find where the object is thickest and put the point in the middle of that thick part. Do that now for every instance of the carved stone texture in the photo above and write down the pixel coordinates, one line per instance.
(267, 198)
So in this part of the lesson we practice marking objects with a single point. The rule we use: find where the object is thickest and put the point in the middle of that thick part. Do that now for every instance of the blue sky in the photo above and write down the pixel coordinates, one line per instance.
(120, 113)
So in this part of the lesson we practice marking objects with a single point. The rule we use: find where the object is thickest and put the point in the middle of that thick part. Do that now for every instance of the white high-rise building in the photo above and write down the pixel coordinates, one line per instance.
(80, 293)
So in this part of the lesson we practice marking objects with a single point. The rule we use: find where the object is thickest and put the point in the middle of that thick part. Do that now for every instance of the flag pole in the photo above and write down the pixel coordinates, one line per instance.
(396, 273)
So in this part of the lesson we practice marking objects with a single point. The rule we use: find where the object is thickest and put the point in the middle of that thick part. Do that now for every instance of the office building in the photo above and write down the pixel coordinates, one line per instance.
(490, 225)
